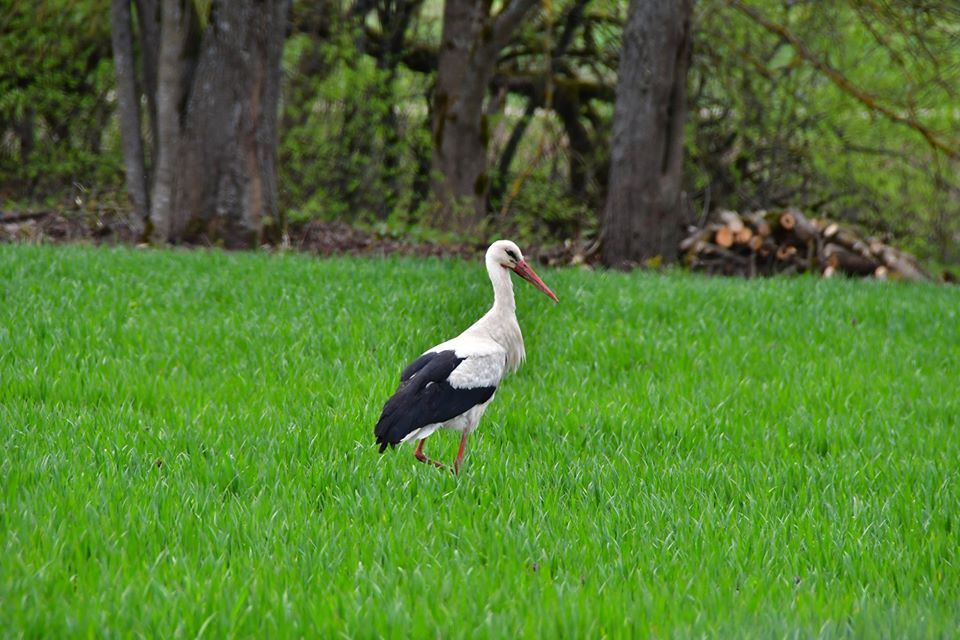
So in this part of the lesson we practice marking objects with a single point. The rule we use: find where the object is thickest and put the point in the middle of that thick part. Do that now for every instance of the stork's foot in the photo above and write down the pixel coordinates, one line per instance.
(421, 456)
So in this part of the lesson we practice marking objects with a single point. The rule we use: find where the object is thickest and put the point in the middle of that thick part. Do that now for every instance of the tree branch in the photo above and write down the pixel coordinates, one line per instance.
(534, 85)
(573, 19)
(509, 18)
(417, 57)
(843, 83)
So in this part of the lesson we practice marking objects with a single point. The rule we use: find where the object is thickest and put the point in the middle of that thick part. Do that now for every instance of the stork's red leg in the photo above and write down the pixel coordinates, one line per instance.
(422, 457)
(459, 460)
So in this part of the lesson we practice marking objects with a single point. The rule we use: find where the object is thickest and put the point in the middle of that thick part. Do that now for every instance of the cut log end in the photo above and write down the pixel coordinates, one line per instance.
(787, 221)
(724, 237)
(743, 236)
(785, 252)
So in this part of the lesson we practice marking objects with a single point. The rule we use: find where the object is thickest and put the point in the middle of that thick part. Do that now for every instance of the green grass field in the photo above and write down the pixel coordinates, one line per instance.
(187, 452)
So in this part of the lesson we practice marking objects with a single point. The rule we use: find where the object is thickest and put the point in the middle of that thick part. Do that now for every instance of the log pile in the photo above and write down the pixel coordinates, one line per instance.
(766, 243)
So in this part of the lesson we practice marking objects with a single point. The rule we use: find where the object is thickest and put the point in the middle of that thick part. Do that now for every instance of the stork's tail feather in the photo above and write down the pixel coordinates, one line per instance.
(392, 427)
(382, 441)
(382, 432)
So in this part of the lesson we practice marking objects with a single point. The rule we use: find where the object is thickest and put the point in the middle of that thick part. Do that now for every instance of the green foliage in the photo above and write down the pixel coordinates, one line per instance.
(548, 204)
(679, 457)
(544, 211)
(57, 131)
(765, 128)
(355, 139)
(769, 129)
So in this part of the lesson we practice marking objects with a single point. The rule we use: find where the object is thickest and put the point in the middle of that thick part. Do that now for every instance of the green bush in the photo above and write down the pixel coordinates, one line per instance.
(57, 130)
(355, 139)
(767, 128)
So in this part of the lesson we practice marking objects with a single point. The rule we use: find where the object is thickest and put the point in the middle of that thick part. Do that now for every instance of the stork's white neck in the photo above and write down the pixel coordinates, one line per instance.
(503, 301)
(500, 323)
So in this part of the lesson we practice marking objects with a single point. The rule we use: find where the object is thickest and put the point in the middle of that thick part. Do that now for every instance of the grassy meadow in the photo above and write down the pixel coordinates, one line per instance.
(186, 451)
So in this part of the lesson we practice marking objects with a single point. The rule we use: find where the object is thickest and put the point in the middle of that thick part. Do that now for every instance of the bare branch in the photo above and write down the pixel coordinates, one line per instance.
(535, 85)
(509, 19)
(844, 84)
(415, 56)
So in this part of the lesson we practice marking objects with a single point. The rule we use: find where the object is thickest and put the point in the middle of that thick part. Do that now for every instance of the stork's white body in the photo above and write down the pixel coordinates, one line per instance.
(491, 348)
(462, 374)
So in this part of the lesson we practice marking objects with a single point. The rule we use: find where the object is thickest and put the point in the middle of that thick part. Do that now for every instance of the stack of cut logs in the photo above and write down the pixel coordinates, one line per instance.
(764, 243)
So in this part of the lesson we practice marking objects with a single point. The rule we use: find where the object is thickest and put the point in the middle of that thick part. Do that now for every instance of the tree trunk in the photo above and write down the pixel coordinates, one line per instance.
(128, 108)
(642, 218)
(226, 172)
(470, 45)
(212, 97)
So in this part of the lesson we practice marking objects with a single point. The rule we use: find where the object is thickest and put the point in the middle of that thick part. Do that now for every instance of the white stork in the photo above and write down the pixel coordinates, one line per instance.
(450, 385)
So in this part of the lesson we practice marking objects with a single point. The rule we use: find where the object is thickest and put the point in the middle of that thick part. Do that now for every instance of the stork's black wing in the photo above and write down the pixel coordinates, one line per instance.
(420, 363)
(425, 397)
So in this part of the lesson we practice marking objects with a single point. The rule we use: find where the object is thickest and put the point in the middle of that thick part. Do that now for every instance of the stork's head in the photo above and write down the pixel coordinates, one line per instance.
(507, 254)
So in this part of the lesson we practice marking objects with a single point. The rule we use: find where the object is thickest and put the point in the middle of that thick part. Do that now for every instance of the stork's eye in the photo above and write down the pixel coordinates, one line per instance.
(512, 255)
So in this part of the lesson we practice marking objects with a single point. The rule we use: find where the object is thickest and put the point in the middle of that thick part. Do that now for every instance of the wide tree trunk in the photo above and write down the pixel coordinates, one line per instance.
(470, 45)
(642, 218)
(226, 185)
(212, 98)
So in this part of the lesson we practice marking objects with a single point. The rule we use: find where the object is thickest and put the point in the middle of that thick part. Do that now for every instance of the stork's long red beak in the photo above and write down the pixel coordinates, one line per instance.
(526, 272)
